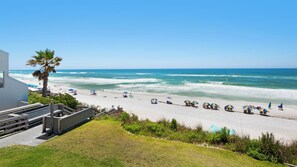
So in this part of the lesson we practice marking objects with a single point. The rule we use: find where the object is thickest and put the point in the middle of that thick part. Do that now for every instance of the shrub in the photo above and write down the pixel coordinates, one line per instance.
(133, 128)
(239, 144)
(155, 129)
(290, 152)
(173, 125)
(266, 148)
(255, 151)
(193, 137)
(199, 129)
(271, 148)
(134, 118)
(164, 122)
(224, 135)
(124, 117)
(213, 138)
(65, 99)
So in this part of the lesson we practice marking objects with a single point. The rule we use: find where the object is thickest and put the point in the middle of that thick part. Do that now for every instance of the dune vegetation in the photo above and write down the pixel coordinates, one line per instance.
(105, 143)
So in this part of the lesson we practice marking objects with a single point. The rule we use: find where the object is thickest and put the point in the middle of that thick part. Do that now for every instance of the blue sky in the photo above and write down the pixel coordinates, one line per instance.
(152, 33)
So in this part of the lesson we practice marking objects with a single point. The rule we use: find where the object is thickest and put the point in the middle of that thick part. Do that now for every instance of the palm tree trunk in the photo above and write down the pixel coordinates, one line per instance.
(44, 89)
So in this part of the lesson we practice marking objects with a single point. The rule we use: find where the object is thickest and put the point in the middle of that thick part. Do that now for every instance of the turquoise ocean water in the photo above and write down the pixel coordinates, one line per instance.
(276, 85)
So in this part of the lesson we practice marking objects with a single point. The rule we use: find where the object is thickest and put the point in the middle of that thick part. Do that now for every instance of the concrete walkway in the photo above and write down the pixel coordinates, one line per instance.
(30, 137)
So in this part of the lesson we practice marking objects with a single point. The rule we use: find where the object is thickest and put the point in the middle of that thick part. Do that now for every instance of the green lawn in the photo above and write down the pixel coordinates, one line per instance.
(105, 143)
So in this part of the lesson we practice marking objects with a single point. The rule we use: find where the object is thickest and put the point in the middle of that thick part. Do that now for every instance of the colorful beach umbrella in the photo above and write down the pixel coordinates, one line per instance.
(229, 107)
(206, 105)
(214, 106)
(247, 109)
(263, 111)
(195, 103)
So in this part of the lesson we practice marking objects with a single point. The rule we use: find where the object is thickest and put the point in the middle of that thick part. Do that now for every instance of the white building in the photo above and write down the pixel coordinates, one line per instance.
(12, 91)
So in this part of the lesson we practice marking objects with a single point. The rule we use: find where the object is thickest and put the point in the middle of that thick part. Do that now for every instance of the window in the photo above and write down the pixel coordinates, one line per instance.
(1, 79)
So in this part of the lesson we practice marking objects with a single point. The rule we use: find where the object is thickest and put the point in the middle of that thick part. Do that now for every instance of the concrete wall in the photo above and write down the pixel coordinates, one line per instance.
(67, 122)
(13, 91)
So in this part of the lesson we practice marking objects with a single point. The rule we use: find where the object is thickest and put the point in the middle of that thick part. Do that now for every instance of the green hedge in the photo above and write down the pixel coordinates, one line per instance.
(65, 99)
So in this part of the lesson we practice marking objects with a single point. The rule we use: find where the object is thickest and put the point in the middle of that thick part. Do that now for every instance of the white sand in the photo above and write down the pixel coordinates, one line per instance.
(283, 124)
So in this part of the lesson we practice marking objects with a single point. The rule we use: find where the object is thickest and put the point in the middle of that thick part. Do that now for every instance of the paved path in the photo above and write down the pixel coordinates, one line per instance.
(30, 137)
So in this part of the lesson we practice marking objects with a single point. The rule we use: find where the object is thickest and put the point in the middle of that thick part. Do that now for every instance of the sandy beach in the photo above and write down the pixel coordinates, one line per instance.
(283, 124)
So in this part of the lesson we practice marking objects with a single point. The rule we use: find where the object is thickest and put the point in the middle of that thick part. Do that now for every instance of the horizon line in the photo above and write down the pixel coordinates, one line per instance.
(247, 68)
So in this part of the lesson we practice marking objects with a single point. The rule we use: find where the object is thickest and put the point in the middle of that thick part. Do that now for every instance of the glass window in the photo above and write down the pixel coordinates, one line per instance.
(1, 79)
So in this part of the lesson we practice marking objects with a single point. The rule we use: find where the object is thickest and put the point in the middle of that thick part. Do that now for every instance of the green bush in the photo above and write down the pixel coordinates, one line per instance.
(238, 144)
(133, 128)
(290, 152)
(193, 137)
(271, 148)
(254, 150)
(134, 118)
(124, 117)
(173, 125)
(224, 135)
(213, 138)
(155, 129)
(65, 99)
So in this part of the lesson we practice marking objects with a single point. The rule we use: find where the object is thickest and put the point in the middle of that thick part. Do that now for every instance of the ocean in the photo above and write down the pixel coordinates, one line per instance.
(263, 85)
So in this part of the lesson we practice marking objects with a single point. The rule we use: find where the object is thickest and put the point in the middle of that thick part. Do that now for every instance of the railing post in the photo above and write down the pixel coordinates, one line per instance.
(52, 116)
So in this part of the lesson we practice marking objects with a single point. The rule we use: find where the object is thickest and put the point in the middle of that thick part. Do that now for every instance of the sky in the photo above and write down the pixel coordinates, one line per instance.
(116, 34)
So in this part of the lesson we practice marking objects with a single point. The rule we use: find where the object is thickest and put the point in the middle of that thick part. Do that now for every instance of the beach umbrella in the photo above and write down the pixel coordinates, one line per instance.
(263, 111)
(229, 107)
(247, 109)
(188, 103)
(214, 106)
(206, 105)
(195, 103)
(154, 101)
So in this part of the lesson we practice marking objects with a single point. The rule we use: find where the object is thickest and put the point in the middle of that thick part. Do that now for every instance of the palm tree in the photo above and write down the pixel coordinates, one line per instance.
(48, 62)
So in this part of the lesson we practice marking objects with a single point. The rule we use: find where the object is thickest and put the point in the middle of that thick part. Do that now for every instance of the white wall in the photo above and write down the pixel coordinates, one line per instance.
(13, 91)
(3, 61)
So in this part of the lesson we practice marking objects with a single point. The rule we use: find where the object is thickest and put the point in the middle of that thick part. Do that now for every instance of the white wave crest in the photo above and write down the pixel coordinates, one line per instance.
(231, 76)
(216, 89)
(144, 73)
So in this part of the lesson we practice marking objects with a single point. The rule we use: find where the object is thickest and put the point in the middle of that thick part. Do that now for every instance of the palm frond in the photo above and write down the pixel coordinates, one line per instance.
(36, 73)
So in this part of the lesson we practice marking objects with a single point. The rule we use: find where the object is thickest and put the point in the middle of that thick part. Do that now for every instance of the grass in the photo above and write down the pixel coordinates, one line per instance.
(105, 143)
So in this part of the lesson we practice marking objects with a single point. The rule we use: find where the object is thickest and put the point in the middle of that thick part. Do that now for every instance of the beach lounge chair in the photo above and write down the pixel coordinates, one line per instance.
(70, 90)
(154, 101)
(188, 103)
(125, 94)
(280, 107)
(169, 100)
(215, 106)
(229, 108)
(130, 95)
(206, 105)
(93, 92)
